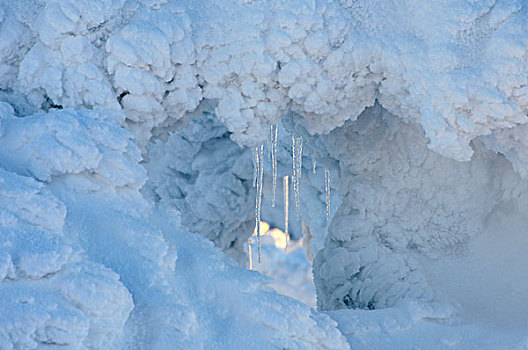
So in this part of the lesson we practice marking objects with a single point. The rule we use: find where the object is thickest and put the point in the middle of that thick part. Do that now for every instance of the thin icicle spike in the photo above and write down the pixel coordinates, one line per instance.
(274, 142)
(255, 167)
(294, 170)
(270, 143)
(299, 156)
(327, 195)
(259, 166)
(285, 189)
(314, 166)
(298, 172)
(259, 195)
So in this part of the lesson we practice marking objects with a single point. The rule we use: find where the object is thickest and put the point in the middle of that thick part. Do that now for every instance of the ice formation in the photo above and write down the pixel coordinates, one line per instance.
(398, 205)
(203, 173)
(286, 189)
(296, 170)
(94, 93)
(274, 129)
(258, 196)
(327, 195)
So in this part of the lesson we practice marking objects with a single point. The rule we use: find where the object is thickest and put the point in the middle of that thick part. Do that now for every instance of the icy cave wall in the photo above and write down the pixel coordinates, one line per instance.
(402, 201)
(203, 173)
(456, 70)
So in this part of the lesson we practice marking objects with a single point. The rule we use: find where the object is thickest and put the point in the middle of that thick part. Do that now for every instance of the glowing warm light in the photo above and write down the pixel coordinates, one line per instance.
(280, 238)
(264, 228)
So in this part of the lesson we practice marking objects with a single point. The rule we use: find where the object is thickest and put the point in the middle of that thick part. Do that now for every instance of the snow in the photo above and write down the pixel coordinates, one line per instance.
(486, 282)
(417, 325)
(386, 220)
(50, 294)
(330, 64)
(64, 284)
(201, 172)
(459, 81)
(127, 129)
(285, 262)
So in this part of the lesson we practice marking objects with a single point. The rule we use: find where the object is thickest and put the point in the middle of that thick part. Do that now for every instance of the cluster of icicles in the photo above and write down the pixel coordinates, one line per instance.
(258, 176)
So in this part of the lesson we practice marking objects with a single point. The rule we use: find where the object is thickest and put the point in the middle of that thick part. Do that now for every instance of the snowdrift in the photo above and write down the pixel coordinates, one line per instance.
(126, 127)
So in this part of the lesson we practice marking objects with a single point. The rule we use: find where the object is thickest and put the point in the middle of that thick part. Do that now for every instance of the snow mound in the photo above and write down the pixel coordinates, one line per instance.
(50, 293)
(79, 241)
(421, 325)
(75, 142)
(221, 290)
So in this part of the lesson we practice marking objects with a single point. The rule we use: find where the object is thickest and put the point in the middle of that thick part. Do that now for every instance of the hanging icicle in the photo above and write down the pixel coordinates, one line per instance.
(257, 174)
(255, 166)
(285, 189)
(270, 143)
(274, 144)
(250, 253)
(299, 148)
(297, 172)
(258, 200)
(294, 169)
(314, 165)
(327, 195)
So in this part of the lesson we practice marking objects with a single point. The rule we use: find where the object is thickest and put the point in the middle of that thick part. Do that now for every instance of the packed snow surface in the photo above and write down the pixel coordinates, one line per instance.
(87, 262)
(128, 126)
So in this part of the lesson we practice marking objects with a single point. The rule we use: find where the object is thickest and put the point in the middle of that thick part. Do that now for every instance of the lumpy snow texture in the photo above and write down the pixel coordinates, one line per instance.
(400, 201)
(203, 173)
(86, 261)
(89, 90)
(50, 292)
(456, 68)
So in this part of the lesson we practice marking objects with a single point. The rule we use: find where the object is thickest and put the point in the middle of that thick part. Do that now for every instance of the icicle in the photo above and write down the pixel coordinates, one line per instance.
(255, 167)
(297, 169)
(299, 157)
(294, 170)
(274, 142)
(258, 200)
(327, 194)
(314, 165)
(270, 142)
(285, 189)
